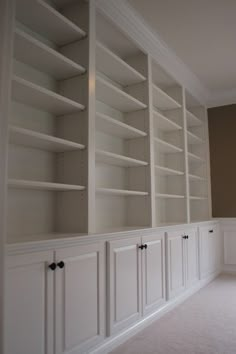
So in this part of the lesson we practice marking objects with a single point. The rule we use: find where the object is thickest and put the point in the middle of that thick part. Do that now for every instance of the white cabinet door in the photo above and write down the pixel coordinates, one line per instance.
(124, 283)
(176, 263)
(215, 248)
(80, 298)
(205, 254)
(192, 261)
(153, 272)
(210, 250)
(29, 304)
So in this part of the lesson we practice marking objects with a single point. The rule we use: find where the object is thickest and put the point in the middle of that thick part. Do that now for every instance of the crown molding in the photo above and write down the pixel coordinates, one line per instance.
(134, 26)
(125, 17)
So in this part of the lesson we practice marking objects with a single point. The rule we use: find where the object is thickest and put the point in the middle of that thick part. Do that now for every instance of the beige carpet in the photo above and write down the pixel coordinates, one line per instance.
(204, 324)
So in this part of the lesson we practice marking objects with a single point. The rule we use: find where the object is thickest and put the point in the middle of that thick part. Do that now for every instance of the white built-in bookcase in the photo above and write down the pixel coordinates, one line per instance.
(101, 138)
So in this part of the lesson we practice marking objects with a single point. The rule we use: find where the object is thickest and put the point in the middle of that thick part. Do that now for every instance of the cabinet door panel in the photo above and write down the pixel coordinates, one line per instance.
(153, 270)
(124, 283)
(29, 304)
(80, 298)
(176, 270)
(192, 257)
(205, 254)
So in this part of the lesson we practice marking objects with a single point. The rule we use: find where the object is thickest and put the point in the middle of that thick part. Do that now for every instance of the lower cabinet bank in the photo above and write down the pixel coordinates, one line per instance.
(75, 298)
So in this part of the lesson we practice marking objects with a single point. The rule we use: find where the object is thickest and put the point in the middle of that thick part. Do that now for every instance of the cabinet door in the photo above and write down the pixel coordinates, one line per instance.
(29, 304)
(176, 263)
(192, 246)
(124, 283)
(80, 298)
(205, 253)
(214, 248)
(153, 272)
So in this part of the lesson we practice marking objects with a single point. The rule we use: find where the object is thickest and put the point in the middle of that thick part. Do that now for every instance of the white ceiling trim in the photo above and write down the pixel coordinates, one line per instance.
(121, 13)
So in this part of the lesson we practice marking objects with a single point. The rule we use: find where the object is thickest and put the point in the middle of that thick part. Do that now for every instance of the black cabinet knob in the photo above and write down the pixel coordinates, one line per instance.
(52, 266)
(141, 247)
(61, 264)
(184, 237)
(211, 231)
(187, 237)
(145, 246)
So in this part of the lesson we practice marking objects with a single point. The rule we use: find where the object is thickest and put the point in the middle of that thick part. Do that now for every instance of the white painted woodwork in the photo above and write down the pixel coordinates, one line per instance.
(176, 263)
(115, 159)
(115, 68)
(29, 93)
(33, 52)
(26, 137)
(114, 127)
(165, 171)
(6, 37)
(167, 147)
(119, 192)
(171, 196)
(54, 26)
(29, 303)
(79, 298)
(162, 100)
(153, 273)
(210, 250)
(192, 120)
(194, 158)
(16, 183)
(165, 123)
(194, 139)
(115, 97)
(192, 254)
(124, 283)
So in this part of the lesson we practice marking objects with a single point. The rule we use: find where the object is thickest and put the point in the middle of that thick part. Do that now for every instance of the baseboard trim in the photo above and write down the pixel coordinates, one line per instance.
(229, 269)
(118, 339)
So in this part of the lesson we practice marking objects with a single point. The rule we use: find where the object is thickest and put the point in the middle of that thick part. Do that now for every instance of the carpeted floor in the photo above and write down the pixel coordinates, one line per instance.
(204, 324)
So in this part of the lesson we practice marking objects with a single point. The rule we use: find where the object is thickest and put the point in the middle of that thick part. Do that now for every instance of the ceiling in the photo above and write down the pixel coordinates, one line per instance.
(202, 33)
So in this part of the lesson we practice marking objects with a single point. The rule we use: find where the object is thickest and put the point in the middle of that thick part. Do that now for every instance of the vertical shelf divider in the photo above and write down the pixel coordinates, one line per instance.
(151, 144)
(6, 39)
(186, 156)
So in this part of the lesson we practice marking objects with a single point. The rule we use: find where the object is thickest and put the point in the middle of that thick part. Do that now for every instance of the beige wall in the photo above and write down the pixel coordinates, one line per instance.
(222, 134)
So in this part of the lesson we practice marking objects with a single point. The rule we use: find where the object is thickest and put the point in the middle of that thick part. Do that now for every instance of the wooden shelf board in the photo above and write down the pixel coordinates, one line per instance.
(165, 171)
(120, 229)
(196, 178)
(194, 197)
(54, 26)
(16, 239)
(33, 52)
(192, 120)
(167, 147)
(194, 139)
(31, 94)
(115, 68)
(169, 196)
(162, 100)
(118, 160)
(115, 97)
(194, 158)
(114, 127)
(26, 137)
(165, 123)
(121, 192)
(25, 184)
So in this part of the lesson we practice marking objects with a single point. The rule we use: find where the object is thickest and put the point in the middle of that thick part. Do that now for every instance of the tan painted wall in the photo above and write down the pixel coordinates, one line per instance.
(222, 135)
